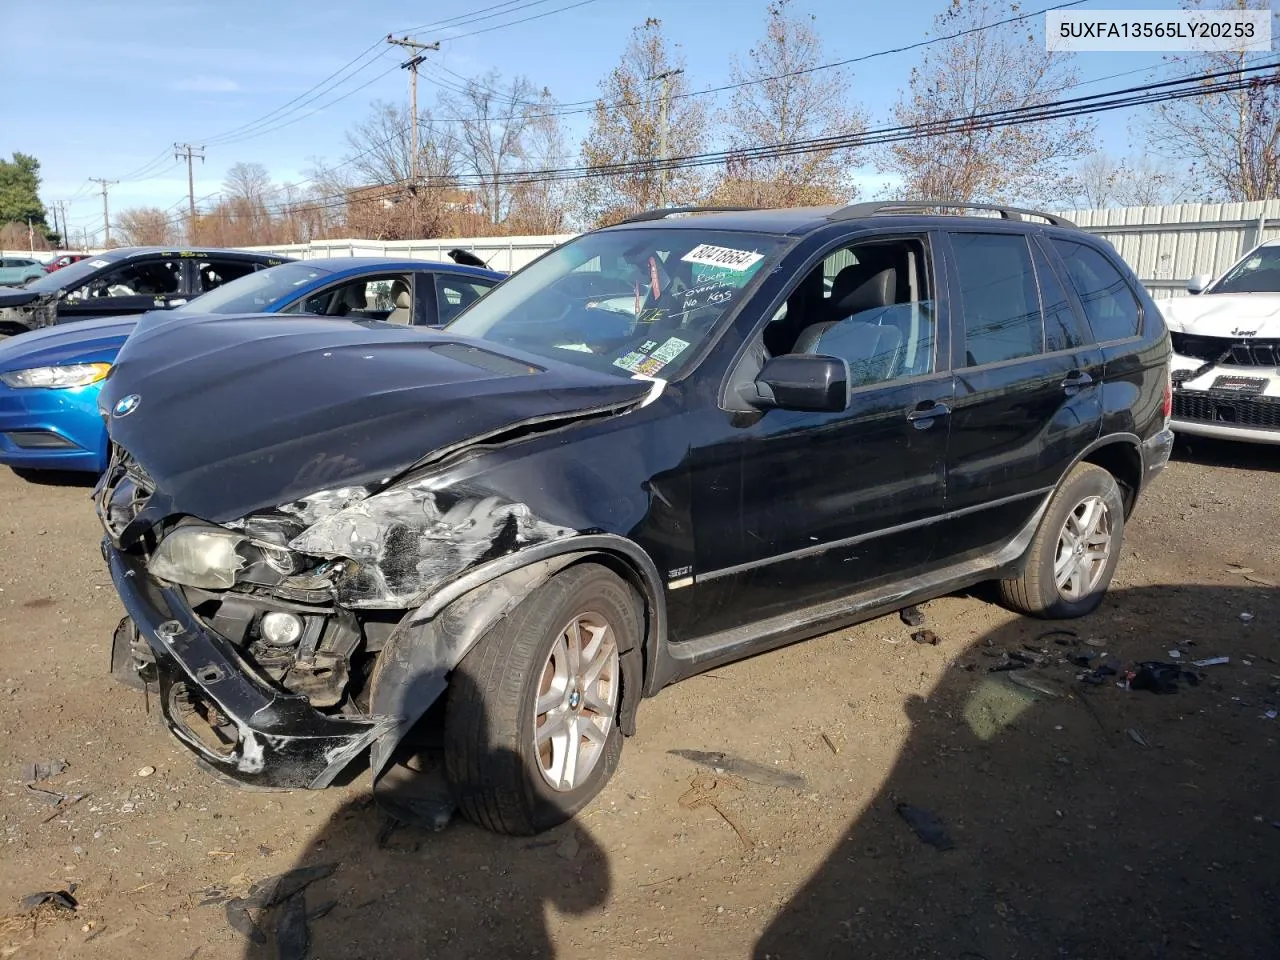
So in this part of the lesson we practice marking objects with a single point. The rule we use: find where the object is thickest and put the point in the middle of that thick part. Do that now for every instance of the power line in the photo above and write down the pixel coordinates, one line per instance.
(512, 23)
(1194, 85)
(463, 19)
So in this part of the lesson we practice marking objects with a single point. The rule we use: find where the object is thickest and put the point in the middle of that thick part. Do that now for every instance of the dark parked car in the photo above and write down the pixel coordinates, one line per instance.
(663, 446)
(127, 280)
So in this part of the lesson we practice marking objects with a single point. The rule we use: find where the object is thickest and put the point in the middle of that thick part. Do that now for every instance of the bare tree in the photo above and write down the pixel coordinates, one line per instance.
(539, 205)
(626, 129)
(489, 126)
(781, 104)
(994, 68)
(145, 227)
(1231, 141)
(1101, 181)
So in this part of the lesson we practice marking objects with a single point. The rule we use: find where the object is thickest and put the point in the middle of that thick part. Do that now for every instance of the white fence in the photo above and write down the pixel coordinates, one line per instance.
(1166, 246)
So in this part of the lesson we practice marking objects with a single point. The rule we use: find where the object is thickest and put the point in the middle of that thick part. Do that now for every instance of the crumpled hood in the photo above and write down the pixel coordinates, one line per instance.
(1223, 314)
(81, 342)
(236, 414)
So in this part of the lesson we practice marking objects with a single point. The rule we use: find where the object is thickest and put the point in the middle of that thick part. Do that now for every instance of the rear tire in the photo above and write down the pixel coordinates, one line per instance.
(531, 730)
(1075, 551)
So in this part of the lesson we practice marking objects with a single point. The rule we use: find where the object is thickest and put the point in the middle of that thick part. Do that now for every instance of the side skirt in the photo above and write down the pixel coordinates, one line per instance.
(691, 657)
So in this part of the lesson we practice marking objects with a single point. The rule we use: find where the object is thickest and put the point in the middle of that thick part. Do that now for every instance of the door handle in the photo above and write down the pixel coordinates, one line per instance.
(1075, 380)
(923, 415)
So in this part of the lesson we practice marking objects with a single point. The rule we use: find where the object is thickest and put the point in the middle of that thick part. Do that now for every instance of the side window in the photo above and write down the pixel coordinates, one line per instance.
(998, 292)
(454, 294)
(211, 274)
(1109, 304)
(370, 298)
(868, 304)
(1062, 328)
(147, 278)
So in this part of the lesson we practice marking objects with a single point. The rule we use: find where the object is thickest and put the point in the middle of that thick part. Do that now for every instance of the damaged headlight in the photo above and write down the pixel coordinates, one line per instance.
(66, 375)
(212, 558)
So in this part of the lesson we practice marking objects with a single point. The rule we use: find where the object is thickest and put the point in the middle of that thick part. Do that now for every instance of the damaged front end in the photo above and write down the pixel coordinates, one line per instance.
(288, 642)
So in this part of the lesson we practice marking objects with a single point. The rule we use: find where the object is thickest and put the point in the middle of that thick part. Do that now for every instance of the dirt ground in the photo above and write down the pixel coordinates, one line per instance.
(1084, 820)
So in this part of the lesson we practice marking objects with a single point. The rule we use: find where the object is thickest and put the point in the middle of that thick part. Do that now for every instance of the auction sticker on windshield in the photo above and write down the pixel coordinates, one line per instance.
(727, 257)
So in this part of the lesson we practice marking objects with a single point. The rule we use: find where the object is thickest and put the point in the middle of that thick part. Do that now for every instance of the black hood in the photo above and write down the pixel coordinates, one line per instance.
(238, 414)
(16, 297)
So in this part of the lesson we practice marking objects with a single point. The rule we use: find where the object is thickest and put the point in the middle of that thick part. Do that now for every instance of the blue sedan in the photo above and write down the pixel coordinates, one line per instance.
(50, 378)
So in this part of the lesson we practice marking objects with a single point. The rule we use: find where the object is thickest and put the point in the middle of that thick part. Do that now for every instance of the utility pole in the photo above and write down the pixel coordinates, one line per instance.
(66, 240)
(187, 151)
(106, 217)
(665, 77)
(412, 66)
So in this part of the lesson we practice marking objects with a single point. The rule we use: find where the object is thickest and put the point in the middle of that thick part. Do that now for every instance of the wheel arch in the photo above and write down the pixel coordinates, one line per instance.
(1120, 455)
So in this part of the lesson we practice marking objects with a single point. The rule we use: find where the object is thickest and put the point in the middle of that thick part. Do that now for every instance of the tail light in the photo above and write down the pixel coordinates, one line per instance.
(1167, 407)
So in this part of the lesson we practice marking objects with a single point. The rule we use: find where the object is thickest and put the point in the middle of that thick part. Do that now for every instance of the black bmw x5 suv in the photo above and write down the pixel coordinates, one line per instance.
(665, 445)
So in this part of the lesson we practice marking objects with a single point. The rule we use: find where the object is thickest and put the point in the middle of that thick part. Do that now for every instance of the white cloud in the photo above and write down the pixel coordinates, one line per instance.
(203, 83)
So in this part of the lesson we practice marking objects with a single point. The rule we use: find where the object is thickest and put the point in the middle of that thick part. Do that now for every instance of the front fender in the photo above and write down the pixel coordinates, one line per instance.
(413, 668)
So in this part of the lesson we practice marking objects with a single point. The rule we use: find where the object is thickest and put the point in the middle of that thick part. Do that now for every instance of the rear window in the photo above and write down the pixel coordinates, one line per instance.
(1109, 303)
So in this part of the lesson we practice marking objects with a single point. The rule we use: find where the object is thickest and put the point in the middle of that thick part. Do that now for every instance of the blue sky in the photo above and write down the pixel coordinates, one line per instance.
(100, 88)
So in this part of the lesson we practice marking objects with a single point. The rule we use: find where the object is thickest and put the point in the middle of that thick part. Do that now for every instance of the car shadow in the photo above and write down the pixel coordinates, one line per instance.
(57, 478)
(403, 892)
(1211, 452)
(1079, 821)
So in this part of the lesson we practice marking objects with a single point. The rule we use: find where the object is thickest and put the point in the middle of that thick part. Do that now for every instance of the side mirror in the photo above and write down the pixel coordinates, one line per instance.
(1199, 282)
(802, 381)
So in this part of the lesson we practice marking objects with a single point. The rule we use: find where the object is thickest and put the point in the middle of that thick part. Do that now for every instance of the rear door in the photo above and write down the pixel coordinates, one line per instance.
(1027, 389)
(454, 293)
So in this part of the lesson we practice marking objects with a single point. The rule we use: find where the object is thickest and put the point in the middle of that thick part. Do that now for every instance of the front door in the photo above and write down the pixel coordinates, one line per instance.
(794, 509)
(147, 283)
(1028, 390)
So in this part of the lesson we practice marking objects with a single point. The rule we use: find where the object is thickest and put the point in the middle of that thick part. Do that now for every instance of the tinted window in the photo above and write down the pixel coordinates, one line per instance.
(1109, 304)
(876, 312)
(1000, 302)
(1061, 325)
(454, 294)
(1259, 272)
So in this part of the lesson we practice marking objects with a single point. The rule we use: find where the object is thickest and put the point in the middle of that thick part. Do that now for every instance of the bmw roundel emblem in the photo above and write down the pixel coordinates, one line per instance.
(126, 405)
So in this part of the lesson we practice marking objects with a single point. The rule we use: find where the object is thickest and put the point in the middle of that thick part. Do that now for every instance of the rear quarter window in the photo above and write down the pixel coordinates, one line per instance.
(1109, 303)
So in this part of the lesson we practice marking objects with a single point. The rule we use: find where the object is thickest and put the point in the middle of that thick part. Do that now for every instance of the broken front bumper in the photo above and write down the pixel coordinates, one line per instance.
(235, 721)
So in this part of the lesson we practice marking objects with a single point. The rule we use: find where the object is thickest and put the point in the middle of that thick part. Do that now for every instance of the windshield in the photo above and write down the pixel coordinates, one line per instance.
(629, 302)
(1259, 272)
(69, 276)
(255, 292)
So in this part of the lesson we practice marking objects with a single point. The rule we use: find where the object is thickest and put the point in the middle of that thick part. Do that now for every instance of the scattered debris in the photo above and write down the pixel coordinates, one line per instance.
(269, 893)
(1033, 680)
(830, 743)
(1261, 581)
(42, 770)
(706, 791)
(748, 770)
(912, 616)
(1175, 654)
(1136, 737)
(1242, 571)
(1246, 617)
(62, 899)
(1160, 677)
(1096, 642)
(1211, 661)
(1099, 675)
(1270, 715)
(146, 771)
(926, 636)
(927, 825)
(1063, 638)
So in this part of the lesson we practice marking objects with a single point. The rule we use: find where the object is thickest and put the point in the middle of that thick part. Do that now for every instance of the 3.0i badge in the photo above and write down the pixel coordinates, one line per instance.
(126, 405)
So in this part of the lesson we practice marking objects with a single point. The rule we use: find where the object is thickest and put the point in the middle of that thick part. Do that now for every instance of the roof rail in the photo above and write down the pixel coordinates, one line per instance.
(856, 211)
(663, 212)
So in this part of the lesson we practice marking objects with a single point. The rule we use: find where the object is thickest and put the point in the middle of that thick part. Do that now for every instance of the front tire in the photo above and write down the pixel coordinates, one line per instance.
(1074, 554)
(531, 720)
